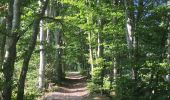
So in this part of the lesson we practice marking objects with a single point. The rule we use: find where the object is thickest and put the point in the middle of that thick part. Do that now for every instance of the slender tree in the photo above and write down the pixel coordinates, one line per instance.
(42, 56)
(3, 40)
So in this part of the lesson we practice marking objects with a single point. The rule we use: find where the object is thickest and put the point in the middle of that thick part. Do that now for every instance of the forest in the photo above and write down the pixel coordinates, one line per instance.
(84, 49)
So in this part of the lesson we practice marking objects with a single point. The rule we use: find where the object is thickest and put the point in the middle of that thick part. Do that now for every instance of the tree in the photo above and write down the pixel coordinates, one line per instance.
(3, 38)
(10, 54)
(124, 44)
(29, 50)
(42, 56)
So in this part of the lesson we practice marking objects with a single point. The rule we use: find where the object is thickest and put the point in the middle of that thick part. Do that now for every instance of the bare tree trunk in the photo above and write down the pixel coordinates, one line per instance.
(29, 51)
(90, 53)
(3, 40)
(60, 53)
(49, 13)
(100, 41)
(100, 46)
(42, 57)
(90, 21)
(99, 36)
(10, 55)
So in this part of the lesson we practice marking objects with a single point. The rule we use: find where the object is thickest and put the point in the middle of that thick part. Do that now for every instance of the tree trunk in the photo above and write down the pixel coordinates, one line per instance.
(10, 55)
(42, 57)
(90, 53)
(60, 53)
(99, 35)
(100, 41)
(90, 21)
(100, 45)
(3, 40)
(29, 51)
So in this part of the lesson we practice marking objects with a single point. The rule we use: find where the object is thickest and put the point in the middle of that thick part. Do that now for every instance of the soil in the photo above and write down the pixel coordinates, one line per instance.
(72, 88)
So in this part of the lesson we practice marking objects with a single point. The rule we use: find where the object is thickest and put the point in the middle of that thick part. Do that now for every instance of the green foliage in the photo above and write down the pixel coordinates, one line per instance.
(78, 19)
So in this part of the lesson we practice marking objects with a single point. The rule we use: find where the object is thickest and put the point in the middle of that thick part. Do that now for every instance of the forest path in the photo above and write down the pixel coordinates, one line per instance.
(73, 88)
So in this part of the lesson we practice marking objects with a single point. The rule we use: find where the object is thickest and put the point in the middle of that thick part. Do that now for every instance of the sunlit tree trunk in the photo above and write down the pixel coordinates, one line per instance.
(43, 33)
(82, 57)
(10, 55)
(29, 50)
(99, 35)
(99, 40)
(42, 56)
(90, 21)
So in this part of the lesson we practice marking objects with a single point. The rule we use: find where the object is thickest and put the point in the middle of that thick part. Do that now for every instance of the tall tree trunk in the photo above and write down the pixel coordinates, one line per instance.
(42, 57)
(90, 53)
(90, 21)
(3, 40)
(100, 46)
(56, 65)
(99, 35)
(49, 12)
(29, 51)
(100, 41)
(60, 53)
(10, 55)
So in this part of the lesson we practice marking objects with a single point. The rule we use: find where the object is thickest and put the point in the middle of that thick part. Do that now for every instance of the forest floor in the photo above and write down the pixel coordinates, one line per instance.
(72, 88)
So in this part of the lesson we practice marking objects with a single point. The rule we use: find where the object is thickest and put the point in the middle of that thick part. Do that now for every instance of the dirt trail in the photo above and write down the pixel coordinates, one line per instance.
(73, 88)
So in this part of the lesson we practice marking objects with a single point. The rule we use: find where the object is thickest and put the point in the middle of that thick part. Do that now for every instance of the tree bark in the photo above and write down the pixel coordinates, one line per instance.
(29, 51)
(89, 21)
(90, 53)
(56, 65)
(99, 35)
(60, 53)
(42, 57)
(10, 55)
(3, 40)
